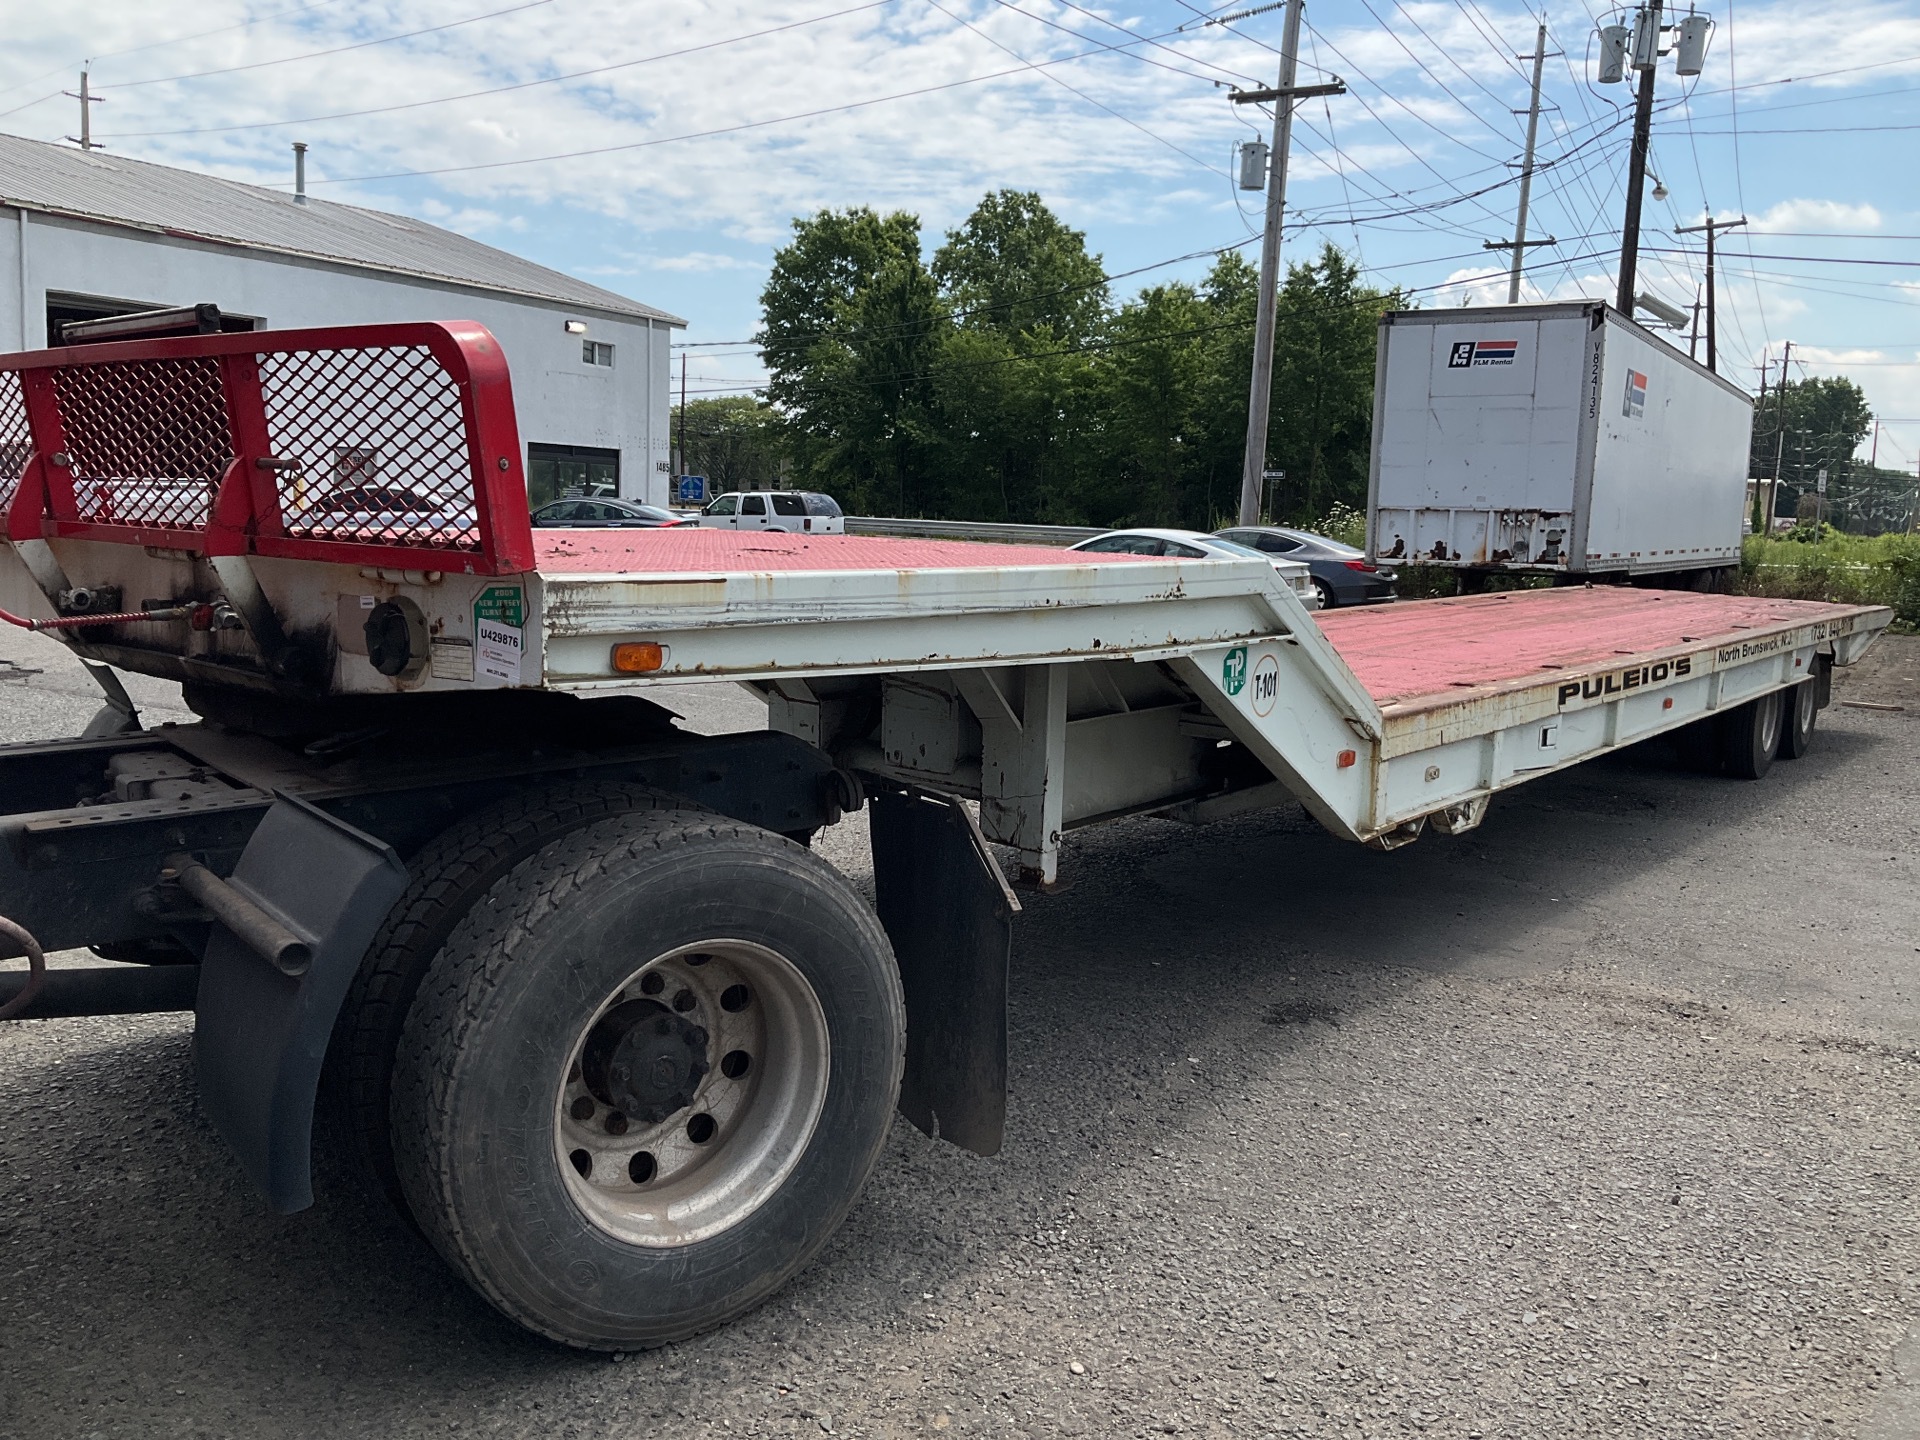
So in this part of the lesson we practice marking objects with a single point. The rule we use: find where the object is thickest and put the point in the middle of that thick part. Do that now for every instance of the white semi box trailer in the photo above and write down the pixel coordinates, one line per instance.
(1559, 438)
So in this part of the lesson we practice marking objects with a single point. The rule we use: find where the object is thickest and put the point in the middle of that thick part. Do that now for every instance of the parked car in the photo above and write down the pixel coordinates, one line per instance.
(796, 510)
(1192, 545)
(387, 511)
(1341, 574)
(601, 514)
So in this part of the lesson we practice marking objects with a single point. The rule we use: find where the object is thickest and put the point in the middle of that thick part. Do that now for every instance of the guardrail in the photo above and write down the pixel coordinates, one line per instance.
(1061, 535)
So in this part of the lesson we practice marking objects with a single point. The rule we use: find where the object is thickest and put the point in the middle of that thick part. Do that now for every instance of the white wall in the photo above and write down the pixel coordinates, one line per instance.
(560, 399)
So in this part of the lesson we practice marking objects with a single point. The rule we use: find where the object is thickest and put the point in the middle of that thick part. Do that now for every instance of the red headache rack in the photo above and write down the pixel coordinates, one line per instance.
(384, 445)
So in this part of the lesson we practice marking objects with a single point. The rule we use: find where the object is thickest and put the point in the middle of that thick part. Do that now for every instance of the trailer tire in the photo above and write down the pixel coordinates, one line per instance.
(524, 1074)
(1802, 712)
(445, 879)
(1701, 746)
(1752, 736)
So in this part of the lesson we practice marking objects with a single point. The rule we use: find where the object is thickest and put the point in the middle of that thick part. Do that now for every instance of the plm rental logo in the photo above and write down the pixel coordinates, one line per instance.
(1470, 354)
(1634, 403)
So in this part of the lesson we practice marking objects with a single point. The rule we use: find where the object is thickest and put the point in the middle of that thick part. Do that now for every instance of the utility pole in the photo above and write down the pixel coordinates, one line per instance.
(1693, 335)
(87, 100)
(1646, 59)
(1712, 228)
(1260, 395)
(1780, 428)
(683, 412)
(1520, 241)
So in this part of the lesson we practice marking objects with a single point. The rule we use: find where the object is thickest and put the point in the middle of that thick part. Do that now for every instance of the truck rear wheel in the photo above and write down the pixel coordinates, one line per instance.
(446, 879)
(1752, 736)
(1802, 712)
(646, 1077)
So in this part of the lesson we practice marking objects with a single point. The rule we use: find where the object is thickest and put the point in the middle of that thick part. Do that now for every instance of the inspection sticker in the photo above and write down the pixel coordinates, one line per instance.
(1233, 670)
(499, 636)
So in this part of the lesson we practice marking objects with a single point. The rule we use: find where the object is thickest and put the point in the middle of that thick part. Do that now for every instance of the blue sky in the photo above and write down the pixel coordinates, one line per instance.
(708, 124)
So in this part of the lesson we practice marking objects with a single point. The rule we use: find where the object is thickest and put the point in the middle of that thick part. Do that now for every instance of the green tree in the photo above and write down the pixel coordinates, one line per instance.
(850, 322)
(1806, 426)
(1326, 332)
(733, 440)
(1014, 268)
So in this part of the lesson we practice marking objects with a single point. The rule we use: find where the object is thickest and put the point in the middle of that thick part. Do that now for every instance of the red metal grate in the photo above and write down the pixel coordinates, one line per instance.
(389, 445)
(16, 443)
(371, 446)
(146, 440)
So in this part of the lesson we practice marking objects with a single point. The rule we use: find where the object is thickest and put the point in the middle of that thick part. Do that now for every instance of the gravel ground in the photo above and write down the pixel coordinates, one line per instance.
(1596, 1121)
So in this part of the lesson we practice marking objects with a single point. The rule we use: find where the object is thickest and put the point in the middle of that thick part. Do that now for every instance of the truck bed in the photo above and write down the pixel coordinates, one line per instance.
(1056, 687)
(1425, 654)
(685, 549)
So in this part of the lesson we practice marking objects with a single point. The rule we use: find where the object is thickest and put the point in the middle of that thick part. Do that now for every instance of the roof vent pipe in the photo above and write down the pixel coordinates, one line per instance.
(299, 172)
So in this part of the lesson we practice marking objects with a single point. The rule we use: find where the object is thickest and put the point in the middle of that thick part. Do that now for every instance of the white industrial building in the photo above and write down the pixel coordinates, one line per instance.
(85, 234)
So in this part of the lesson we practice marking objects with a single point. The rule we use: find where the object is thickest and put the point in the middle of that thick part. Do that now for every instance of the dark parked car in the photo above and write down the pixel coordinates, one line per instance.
(1342, 574)
(599, 514)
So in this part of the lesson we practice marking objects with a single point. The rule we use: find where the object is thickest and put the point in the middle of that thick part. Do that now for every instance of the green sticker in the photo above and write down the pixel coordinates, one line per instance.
(1233, 673)
(505, 603)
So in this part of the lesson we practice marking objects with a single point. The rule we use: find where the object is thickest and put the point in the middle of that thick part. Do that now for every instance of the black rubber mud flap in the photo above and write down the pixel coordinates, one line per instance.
(949, 914)
(260, 1034)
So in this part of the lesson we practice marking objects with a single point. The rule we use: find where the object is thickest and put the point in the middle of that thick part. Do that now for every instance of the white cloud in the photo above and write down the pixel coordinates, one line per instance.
(1803, 215)
(700, 260)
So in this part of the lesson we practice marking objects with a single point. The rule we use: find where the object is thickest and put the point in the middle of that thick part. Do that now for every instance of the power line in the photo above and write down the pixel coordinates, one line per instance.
(1094, 346)
(1809, 259)
(742, 126)
(157, 45)
(336, 50)
(506, 89)
(1075, 90)
(1101, 346)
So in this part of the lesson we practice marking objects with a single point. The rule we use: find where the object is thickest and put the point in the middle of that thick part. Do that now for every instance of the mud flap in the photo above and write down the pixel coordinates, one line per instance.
(948, 912)
(260, 1034)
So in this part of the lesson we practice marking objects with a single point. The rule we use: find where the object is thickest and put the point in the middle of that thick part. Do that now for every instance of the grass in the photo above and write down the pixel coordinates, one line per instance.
(1853, 569)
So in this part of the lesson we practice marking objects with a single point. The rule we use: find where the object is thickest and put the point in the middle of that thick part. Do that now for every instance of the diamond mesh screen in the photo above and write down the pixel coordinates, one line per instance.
(147, 440)
(373, 446)
(16, 445)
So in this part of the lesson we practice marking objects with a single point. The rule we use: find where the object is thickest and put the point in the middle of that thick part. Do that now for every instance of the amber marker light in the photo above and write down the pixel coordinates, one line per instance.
(640, 657)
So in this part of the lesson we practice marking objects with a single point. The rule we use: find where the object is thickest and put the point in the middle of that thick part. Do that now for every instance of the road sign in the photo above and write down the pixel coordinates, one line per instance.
(692, 490)
(1820, 481)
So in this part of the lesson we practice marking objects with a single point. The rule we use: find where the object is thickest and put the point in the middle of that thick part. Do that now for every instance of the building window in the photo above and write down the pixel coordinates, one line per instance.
(555, 472)
(597, 352)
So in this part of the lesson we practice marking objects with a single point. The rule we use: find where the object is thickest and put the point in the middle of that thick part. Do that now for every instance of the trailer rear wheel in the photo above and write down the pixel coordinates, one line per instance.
(445, 880)
(1802, 712)
(645, 1079)
(1752, 736)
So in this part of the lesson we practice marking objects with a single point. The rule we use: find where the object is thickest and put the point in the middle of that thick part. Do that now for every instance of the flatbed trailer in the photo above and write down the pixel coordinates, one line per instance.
(591, 1013)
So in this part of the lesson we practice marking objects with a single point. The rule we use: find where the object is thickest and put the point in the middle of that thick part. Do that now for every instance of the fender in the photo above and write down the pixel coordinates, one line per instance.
(260, 1033)
(948, 912)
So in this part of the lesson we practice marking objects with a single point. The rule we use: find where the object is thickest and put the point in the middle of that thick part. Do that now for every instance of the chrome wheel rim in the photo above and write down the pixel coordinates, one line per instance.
(691, 1092)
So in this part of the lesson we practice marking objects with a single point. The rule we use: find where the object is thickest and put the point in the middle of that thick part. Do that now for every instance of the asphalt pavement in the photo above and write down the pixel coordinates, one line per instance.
(1598, 1120)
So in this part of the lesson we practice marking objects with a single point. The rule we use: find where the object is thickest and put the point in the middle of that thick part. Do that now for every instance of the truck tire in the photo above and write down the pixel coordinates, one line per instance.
(1702, 746)
(1752, 736)
(1802, 705)
(646, 1077)
(446, 878)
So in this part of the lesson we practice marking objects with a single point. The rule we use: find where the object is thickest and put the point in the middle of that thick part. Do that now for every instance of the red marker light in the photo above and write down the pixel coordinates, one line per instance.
(1347, 759)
